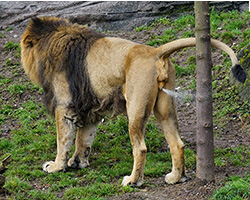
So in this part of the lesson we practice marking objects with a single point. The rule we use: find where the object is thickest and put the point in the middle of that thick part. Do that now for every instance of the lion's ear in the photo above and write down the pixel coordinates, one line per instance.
(37, 21)
(28, 41)
(36, 26)
(32, 32)
(40, 26)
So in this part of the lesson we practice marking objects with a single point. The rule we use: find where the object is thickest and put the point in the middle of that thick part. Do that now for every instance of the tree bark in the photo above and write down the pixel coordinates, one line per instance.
(205, 138)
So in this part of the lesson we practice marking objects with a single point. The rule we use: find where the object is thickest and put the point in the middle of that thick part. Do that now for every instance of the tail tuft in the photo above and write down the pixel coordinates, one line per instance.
(239, 73)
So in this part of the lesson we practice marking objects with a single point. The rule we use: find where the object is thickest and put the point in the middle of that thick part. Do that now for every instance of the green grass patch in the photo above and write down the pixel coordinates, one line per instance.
(235, 188)
(9, 29)
(160, 21)
(10, 46)
(2, 35)
(4, 81)
(16, 88)
(238, 156)
(97, 191)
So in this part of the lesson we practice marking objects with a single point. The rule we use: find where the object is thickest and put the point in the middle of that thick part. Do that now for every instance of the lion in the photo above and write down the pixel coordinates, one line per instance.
(86, 75)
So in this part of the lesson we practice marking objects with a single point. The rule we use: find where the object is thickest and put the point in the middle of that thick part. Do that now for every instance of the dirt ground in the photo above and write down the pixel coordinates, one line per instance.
(234, 134)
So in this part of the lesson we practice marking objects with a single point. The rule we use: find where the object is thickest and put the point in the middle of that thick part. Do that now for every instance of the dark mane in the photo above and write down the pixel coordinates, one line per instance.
(83, 97)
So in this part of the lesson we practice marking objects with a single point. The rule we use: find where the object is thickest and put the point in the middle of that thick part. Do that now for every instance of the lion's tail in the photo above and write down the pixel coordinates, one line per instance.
(167, 49)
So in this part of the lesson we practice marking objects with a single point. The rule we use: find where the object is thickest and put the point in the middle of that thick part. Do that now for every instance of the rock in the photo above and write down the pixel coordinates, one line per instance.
(107, 15)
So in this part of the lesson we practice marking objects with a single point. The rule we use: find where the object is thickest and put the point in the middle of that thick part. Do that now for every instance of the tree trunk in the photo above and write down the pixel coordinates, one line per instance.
(205, 141)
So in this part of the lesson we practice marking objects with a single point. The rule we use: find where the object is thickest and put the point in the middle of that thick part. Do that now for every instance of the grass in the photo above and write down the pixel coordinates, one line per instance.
(32, 139)
(238, 156)
(11, 46)
(235, 188)
(2, 35)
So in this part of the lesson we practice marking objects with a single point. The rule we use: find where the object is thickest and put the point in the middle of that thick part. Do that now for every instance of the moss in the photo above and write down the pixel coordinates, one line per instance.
(244, 59)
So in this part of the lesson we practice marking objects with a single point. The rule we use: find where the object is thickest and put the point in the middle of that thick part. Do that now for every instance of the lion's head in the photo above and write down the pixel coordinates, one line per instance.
(33, 39)
(53, 46)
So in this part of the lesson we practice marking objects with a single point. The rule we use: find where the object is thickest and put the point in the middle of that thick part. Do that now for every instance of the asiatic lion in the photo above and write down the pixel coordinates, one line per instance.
(86, 75)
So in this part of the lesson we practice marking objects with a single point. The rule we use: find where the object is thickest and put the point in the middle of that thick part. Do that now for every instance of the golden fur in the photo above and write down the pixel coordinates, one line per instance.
(86, 75)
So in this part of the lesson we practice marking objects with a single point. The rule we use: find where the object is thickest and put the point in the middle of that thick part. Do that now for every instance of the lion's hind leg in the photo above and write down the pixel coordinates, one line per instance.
(137, 134)
(165, 114)
(140, 97)
(84, 139)
(65, 136)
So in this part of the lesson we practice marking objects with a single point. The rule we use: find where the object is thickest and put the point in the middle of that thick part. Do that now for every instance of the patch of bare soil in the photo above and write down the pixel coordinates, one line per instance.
(234, 134)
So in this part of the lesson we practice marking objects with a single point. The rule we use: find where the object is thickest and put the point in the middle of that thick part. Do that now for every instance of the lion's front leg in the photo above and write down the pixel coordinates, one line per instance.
(65, 135)
(140, 98)
(84, 139)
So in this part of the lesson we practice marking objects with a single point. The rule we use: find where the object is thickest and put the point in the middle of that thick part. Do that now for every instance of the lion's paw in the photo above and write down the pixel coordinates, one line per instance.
(128, 180)
(72, 163)
(51, 167)
(173, 178)
(77, 163)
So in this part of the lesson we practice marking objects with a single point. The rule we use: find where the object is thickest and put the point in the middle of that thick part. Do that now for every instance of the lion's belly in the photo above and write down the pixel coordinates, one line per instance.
(106, 62)
(105, 82)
